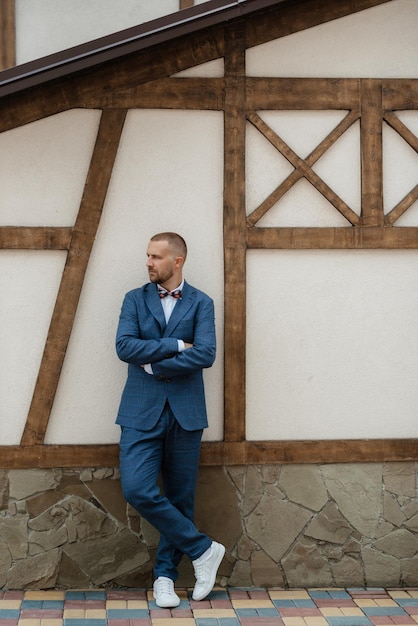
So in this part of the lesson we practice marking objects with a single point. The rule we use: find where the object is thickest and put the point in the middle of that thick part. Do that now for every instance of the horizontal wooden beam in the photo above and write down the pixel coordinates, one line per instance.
(302, 93)
(218, 453)
(35, 238)
(399, 93)
(168, 93)
(333, 238)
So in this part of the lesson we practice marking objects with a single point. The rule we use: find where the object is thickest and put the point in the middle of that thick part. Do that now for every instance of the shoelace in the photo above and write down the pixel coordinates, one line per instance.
(166, 586)
(199, 570)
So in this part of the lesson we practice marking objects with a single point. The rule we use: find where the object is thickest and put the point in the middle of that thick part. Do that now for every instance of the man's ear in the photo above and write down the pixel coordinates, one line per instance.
(179, 261)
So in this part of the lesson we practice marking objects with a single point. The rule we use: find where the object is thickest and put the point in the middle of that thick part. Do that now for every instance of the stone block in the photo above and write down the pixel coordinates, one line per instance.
(303, 484)
(275, 524)
(357, 490)
(38, 572)
(380, 570)
(304, 566)
(329, 525)
(26, 483)
(106, 558)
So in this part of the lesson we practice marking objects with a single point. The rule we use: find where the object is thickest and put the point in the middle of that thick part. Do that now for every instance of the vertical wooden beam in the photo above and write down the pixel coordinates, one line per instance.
(7, 34)
(234, 232)
(185, 4)
(371, 153)
(82, 240)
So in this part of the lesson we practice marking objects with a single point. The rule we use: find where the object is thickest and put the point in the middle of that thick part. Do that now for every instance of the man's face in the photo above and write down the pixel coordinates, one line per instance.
(161, 262)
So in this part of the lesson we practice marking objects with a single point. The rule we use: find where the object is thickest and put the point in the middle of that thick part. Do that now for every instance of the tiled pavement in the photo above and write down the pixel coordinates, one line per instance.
(231, 607)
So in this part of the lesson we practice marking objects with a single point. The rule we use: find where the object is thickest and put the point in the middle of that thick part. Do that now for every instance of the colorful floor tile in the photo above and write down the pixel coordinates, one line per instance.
(223, 607)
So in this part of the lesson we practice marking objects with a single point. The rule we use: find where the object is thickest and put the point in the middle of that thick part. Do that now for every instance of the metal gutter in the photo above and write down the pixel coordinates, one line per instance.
(154, 32)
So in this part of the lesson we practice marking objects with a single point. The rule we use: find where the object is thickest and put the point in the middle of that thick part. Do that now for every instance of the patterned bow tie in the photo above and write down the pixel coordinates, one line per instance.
(177, 293)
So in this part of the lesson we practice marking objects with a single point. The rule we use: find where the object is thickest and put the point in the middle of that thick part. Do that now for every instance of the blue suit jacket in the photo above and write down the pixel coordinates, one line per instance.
(143, 337)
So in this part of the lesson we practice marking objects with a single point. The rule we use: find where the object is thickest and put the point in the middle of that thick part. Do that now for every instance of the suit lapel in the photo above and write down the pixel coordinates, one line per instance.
(153, 302)
(181, 308)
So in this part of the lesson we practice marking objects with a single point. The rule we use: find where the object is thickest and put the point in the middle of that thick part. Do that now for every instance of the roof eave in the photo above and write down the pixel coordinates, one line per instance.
(158, 31)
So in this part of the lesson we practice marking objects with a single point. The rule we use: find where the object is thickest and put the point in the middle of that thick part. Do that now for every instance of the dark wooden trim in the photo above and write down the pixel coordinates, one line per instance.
(234, 234)
(48, 456)
(296, 175)
(219, 453)
(86, 89)
(302, 93)
(324, 451)
(305, 170)
(7, 34)
(168, 93)
(356, 238)
(371, 153)
(35, 238)
(82, 240)
(399, 93)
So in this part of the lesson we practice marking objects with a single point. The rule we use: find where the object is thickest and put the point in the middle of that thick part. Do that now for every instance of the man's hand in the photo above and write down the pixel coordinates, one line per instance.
(188, 345)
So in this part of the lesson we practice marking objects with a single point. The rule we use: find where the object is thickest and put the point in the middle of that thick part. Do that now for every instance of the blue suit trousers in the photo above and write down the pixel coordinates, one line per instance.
(175, 452)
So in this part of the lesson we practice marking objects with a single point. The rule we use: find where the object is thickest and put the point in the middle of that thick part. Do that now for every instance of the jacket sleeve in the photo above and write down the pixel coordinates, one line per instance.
(131, 347)
(202, 354)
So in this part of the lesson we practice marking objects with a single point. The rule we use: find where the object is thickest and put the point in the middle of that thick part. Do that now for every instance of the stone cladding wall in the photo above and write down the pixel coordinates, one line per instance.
(342, 525)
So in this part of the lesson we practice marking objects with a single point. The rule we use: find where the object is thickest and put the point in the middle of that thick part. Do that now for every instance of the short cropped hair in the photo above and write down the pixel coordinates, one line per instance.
(175, 242)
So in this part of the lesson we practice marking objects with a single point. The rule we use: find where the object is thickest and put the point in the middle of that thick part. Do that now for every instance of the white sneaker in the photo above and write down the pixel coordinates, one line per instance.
(205, 570)
(164, 594)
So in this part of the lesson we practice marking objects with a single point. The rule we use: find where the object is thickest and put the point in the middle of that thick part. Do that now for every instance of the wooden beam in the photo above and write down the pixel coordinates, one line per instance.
(371, 153)
(7, 34)
(167, 93)
(220, 453)
(82, 240)
(87, 88)
(296, 175)
(290, 94)
(304, 169)
(34, 238)
(399, 94)
(324, 451)
(356, 238)
(234, 233)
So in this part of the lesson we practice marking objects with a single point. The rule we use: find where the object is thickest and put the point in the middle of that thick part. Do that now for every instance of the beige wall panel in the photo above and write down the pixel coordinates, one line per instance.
(332, 344)
(400, 168)
(168, 176)
(47, 26)
(378, 42)
(29, 282)
(212, 69)
(43, 169)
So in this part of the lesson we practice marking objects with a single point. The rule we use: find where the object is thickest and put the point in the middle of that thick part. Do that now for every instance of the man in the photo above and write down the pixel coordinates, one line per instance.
(166, 334)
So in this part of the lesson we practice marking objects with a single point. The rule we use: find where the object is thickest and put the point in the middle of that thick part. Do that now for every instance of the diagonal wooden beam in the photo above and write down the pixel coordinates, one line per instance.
(305, 170)
(82, 240)
(296, 175)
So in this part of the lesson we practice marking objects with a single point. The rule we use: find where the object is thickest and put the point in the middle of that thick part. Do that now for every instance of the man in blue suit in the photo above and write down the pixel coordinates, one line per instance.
(166, 334)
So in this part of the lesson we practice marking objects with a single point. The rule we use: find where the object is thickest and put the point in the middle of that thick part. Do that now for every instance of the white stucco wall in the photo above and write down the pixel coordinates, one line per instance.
(47, 26)
(331, 348)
